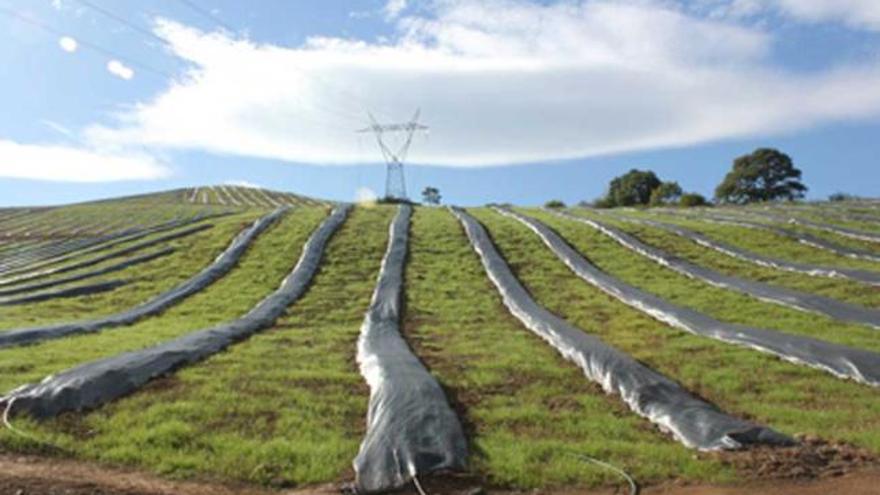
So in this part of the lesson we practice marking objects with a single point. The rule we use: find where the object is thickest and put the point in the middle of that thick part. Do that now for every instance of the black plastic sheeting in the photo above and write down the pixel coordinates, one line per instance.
(78, 291)
(846, 232)
(105, 257)
(691, 420)
(787, 297)
(90, 385)
(842, 361)
(110, 240)
(803, 238)
(220, 267)
(411, 429)
(83, 276)
(864, 276)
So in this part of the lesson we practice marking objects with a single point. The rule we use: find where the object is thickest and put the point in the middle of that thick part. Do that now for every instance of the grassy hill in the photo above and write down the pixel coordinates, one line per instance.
(287, 407)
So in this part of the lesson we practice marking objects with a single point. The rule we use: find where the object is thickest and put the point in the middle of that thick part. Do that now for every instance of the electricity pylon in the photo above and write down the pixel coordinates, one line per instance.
(395, 182)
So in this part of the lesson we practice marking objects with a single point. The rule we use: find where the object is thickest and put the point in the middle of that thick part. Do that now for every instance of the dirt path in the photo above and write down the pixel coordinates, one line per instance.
(22, 475)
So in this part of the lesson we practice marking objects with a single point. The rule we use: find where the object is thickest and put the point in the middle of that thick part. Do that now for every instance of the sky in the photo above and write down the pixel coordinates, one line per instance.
(524, 100)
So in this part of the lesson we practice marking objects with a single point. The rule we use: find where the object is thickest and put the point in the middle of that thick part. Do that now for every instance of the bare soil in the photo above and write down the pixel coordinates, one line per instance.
(814, 467)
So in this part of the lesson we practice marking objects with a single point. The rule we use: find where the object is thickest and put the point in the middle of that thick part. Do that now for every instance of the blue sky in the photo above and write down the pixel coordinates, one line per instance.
(526, 101)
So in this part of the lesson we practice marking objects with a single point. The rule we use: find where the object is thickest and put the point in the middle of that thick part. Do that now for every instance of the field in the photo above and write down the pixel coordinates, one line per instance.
(285, 406)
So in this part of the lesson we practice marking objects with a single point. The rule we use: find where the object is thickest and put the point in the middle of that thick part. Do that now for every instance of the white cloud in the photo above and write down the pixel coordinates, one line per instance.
(499, 82)
(393, 8)
(120, 70)
(242, 183)
(60, 129)
(860, 14)
(365, 195)
(68, 44)
(72, 164)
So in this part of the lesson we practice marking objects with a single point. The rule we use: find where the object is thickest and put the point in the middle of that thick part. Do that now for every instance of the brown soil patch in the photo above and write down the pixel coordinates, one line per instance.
(812, 458)
(22, 475)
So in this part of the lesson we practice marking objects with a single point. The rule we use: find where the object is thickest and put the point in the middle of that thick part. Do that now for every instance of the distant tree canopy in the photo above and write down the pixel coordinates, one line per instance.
(632, 188)
(554, 204)
(692, 199)
(842, 196)
(667, 193)
(431, 195)
(764, 175)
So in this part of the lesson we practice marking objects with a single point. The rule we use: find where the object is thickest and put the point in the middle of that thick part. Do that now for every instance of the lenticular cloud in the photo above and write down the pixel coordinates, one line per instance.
(498, 82)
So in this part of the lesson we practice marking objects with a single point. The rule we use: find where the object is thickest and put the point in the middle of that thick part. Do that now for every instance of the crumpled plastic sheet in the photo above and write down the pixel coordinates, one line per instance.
(77, 291)
(842, 361)
(93, 384)
(689, 419)
(411, 429)
(22, 289)
(865, 276)
(105, 257)
(220, 267)
(803, 238)
(787, 297)
(111, 240)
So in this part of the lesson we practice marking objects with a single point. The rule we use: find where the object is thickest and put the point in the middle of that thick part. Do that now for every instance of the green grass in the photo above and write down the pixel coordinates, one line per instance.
(285, 407)
(836, 288)
(259, 272)
(720, 303)
(193, 253)
(791, 398)
(526, 409)
(767, 243)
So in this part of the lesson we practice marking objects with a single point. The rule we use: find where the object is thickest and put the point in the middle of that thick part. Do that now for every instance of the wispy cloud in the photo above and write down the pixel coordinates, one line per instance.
(120, 70)
(242, 183)
(393, 8)
(68, 44)
(860, 14)
(74, 164)
(499, 82)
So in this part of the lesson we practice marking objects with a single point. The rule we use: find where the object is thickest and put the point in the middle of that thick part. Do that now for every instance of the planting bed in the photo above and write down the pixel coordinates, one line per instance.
(391, 352)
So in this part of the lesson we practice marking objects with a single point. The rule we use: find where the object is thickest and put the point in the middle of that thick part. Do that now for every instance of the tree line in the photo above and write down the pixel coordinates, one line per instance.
(766, 174)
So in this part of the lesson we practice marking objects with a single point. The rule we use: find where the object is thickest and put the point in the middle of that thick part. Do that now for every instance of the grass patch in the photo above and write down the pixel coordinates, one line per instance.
(836, 288)
(525, 408)
(193, 253)
(259, 272)
(722, 304)
(286, 407)
(791, 398)
(767, 243)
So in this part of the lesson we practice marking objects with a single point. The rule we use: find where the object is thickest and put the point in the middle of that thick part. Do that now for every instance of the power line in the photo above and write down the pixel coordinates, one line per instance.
(88, 44)
(207, 14)
(122, 20)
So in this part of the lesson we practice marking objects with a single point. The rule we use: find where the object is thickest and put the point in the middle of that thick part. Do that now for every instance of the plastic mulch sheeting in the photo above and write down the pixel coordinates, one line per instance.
(92, 384)
(807, 239)
(78, 291)
(220, 267)
(106, 242)
(851, 233)
(787, 297)
(411, 429)
(842, 361)
(105, 257)
(82, 276)
(864, 276)
(691, 420)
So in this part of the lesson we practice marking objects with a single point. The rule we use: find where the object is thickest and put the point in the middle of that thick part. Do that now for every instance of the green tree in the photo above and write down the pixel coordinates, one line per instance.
(764, 175)
(431, 195)
(554, 204)
(632, 188)
(666, 193)
(692, 199)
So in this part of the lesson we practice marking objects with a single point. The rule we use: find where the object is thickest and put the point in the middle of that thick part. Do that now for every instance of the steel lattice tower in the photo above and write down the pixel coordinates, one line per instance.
(395, 180)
